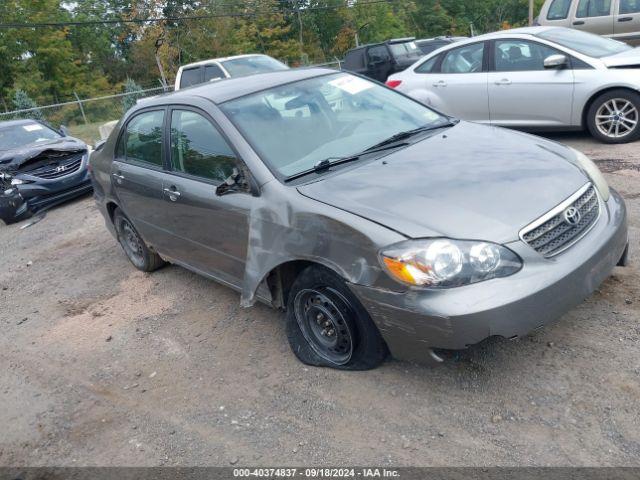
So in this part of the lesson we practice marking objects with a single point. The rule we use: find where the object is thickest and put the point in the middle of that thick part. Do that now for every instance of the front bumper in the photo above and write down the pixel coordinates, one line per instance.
(21, 201)
(415, 321)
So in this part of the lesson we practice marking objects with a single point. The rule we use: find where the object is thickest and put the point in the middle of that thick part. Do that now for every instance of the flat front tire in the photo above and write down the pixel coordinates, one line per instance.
(614, 117)
(328, 327)
(133, 245)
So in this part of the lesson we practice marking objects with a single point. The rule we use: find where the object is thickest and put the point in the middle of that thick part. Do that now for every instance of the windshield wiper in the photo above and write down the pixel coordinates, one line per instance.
(408, 134)
(323, 165)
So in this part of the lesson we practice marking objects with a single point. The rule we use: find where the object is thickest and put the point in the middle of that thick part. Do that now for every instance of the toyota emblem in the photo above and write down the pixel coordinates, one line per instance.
(572, 216)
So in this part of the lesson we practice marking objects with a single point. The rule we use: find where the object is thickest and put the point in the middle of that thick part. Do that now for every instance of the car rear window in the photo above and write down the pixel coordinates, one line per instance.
(239, 67)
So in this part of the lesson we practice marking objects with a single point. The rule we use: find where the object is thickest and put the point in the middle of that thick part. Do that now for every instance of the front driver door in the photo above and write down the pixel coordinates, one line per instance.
(522, 92)
(208, 233)
(460, 86)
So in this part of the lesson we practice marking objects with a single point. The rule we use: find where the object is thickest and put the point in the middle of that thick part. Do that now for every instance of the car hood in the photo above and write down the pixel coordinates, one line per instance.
(11, 160)
(469, 182)
(630, 58)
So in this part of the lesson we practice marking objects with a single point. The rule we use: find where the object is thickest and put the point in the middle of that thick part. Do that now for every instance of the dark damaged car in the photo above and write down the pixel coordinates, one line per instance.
(39, 167)
(376, 223)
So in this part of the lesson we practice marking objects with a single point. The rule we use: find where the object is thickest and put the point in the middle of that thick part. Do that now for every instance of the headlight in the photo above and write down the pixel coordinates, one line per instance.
(443, 263)
(593, 172)
(19, 181)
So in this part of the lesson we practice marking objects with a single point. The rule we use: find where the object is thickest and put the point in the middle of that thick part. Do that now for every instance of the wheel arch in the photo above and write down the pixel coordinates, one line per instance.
(281, 277)
(594, 96)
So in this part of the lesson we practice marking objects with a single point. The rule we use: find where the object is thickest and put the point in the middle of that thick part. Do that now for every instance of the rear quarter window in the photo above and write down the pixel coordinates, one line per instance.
(354, 59)
(190, 76)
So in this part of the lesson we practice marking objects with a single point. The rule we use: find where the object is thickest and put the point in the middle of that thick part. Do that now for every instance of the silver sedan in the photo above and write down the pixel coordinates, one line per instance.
(538, 77)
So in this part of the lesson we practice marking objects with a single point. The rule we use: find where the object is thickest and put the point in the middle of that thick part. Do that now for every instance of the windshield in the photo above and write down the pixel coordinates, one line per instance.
(295, 126)
(16, 136)
(405, 49)
(239, 67)
(586, 43)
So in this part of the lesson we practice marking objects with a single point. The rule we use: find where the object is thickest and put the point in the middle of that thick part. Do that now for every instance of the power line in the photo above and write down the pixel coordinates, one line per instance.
(184, 18)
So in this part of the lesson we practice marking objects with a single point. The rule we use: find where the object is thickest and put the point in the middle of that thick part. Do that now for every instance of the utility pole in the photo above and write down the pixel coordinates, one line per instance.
(531, 12)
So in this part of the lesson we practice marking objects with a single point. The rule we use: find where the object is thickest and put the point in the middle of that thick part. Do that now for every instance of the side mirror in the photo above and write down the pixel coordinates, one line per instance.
(556, 61)
(231, 184)
(64, 131)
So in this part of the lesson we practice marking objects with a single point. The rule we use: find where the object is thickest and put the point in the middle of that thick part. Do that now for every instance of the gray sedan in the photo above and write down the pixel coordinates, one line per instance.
(377, 224)
(538, 77)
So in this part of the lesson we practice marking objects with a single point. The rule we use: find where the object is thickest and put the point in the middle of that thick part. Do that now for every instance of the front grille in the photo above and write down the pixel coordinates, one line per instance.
(58, 167)
(553, 233)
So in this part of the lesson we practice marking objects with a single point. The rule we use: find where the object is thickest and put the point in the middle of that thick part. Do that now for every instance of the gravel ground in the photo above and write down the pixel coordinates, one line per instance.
(104, 365)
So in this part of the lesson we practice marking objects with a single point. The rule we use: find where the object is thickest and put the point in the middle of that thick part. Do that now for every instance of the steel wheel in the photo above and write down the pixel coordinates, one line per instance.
(131, 242)
(321, 317)
(617, 118)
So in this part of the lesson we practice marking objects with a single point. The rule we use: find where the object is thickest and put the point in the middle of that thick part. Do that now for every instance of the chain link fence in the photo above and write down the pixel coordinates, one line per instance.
(84, 117)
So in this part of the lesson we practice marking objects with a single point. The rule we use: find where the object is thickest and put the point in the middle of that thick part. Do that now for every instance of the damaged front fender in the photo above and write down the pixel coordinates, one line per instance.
(302, 229)
(13, 207)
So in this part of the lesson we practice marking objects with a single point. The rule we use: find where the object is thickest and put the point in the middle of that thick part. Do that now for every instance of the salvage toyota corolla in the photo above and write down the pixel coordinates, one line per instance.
(376, 223)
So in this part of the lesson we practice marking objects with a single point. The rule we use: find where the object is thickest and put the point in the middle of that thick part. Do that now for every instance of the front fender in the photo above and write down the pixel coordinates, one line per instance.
(298, 228)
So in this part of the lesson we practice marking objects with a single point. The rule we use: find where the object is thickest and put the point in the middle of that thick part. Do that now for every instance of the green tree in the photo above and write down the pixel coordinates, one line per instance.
(22, 101)
(135, 92)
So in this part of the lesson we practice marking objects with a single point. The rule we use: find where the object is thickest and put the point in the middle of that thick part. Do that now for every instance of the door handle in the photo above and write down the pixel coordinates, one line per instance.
(118, 176)
(173, 193)
(504, 81)
(579, 22)
(625, 19)
(441, 83)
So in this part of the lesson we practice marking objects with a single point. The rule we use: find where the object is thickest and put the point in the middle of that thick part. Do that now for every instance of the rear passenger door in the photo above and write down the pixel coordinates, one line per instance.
(136, 173)
(459, 83)
(627, 21)
(208, 233)
(594, 16)
(522, 92)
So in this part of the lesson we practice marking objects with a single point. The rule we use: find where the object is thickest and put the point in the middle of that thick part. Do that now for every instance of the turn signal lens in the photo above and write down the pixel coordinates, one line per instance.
(444, 263)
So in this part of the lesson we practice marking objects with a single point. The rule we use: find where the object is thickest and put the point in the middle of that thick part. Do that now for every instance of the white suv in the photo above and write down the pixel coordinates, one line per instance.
(225, 67)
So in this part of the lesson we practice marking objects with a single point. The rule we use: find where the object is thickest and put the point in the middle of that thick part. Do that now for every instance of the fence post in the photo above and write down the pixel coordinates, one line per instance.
(84, 117)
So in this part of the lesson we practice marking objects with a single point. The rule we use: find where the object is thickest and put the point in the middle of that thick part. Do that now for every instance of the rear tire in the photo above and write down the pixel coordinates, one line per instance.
(133, 245)
(328, 327)
(614, 117)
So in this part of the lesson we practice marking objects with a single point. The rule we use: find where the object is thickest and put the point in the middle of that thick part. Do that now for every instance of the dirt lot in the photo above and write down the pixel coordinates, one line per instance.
(104, 365)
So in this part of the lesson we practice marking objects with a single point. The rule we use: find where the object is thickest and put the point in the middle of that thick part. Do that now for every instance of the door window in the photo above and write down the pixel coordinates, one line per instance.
(198, 148)
(593, 8)
(521, 56)
(629, 6)
(559, 10)
(378, 54)
(212, 72)
(142, 139)
(190, 76)
(467, 59)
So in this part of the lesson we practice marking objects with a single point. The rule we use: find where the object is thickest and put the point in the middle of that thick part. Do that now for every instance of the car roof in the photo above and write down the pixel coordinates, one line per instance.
(231, 88)
(13, 123)
(221, 59)
(524, 31)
